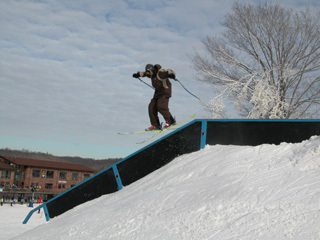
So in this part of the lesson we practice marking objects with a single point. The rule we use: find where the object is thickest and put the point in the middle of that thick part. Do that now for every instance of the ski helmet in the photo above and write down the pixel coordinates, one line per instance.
(149, 67)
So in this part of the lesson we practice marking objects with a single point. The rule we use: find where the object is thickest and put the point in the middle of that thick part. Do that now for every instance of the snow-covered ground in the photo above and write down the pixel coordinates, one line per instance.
(11, 219)
(220, 192)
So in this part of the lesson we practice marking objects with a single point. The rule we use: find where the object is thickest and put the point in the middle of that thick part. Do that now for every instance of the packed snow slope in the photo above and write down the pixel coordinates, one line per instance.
(220, 192)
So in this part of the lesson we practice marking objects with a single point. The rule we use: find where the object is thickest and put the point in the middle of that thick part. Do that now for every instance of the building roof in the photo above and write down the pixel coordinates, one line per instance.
(48, 164)
(5, 166)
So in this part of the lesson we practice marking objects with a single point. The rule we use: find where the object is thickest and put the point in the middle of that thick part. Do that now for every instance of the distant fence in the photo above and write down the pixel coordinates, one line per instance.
(189, 138)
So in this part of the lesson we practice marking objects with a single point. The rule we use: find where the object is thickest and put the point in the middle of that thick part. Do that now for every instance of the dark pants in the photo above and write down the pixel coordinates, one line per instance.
(160, 105)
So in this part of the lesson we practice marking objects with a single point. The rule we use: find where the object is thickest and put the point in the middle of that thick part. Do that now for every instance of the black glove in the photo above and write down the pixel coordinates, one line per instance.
(136, 75)
(171, 75)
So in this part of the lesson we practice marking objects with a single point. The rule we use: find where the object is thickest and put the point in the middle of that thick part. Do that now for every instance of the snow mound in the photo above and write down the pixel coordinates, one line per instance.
(220, 192)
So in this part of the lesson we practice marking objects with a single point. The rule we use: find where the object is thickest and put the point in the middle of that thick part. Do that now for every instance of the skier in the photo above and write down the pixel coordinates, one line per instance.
(160, 101)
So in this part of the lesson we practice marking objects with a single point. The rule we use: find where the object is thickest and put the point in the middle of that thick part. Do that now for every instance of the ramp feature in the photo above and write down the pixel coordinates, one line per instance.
(186, 139)
(256, 132)
(182, 141)
(96, 186)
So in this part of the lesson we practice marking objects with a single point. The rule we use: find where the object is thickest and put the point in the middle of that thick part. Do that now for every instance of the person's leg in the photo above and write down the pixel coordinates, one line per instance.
(153, 113)
(163, 108)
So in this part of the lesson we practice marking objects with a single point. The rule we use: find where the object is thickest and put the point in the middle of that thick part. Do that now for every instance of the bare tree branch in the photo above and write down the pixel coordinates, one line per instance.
(267, 60)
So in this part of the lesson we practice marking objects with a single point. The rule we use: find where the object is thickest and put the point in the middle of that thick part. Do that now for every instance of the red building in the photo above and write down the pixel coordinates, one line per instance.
(22, 178)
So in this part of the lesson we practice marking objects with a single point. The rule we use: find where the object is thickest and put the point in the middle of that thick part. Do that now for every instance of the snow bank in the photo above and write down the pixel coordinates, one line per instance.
(220, 192)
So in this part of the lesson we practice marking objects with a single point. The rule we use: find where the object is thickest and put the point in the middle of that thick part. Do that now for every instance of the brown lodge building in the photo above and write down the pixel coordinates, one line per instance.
(25, 179)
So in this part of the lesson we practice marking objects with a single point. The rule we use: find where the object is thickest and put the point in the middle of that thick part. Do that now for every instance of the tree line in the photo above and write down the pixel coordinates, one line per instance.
(94, 164)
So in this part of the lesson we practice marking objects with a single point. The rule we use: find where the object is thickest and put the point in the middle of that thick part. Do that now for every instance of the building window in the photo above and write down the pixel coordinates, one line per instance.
(34, 186)
(48, 186)
(86, 176)
(61, 186)
(63, 175)
(36, 173)
(18, 175)
(50, 174)
(5, 174)
(19, 184)
(75, 176)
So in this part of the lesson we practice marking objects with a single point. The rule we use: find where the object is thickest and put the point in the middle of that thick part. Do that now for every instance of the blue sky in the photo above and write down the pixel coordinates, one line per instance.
(66, 69)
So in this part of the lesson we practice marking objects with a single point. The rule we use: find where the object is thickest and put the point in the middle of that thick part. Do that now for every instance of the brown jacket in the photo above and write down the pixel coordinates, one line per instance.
(160, 81)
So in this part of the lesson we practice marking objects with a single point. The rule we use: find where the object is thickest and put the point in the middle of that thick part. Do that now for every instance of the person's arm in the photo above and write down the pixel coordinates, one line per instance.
(163, 74)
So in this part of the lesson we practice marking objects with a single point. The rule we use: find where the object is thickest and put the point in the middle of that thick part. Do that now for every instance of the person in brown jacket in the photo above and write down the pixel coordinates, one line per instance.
(160, 101)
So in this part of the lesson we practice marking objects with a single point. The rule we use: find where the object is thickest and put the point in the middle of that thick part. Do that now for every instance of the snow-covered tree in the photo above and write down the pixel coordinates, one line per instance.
(267, 61)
